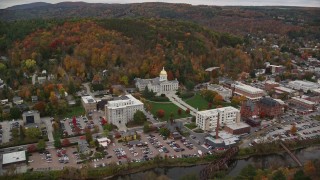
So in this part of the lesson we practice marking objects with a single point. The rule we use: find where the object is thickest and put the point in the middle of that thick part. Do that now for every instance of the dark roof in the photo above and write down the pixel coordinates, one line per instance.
(268, 101)
(121, 98)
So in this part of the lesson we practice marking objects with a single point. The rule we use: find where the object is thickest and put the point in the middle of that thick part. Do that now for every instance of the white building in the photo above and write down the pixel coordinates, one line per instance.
(207, 120)
(247, 91)
(222, 91)
(89, 103)
(121, 110)
(14, 160)
(159, 85)
(305, 86)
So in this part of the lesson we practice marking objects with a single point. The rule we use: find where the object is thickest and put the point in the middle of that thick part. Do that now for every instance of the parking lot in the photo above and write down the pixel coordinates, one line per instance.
(5, 136)
(306, 129)
(71, 127)
(148, 147)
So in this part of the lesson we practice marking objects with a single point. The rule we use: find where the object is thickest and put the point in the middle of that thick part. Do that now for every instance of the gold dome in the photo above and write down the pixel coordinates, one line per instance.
(163, 72)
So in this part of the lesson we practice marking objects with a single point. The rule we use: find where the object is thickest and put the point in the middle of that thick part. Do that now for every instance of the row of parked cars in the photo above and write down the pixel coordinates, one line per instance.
(175, 146)
(120, 153)
(185, 142)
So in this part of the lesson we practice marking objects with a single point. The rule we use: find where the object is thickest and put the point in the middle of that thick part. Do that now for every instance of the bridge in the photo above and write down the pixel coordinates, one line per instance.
(291, 154)
(219, 164)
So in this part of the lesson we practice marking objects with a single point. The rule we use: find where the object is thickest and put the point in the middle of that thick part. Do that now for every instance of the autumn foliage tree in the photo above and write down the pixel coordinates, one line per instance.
(65, 142)
(160, 113)
(309, 168)
(32, 148)
(218, 99)
(293, 129)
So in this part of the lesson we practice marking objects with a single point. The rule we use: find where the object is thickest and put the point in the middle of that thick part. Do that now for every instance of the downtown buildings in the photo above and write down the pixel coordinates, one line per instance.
(207, 120)
(120, 110)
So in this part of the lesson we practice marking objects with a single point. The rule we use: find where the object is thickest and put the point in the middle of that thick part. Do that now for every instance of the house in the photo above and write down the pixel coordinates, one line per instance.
(42, 79)
(129, 136)
(34, 99)
(17, 100)
(104, 142)
(4, 101)
(1, 83)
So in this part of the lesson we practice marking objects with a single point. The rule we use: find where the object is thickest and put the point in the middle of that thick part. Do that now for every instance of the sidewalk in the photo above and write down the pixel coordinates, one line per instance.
(180, 103)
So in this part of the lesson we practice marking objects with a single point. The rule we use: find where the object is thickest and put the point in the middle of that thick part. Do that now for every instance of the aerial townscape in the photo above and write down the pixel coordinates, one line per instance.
(159, 91)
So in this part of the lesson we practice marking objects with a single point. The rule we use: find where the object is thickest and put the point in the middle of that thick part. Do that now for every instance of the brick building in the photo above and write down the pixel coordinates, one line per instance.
(238, 128)
(247, 91)
(270, 107)
(270, 85)
(266, 106)
(309, 105)
(249, 109)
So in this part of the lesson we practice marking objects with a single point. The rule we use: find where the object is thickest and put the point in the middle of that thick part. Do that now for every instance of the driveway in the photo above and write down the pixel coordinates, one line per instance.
(47, 122)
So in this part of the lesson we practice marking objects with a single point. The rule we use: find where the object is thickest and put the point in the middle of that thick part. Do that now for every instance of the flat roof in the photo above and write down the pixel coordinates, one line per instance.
(32, 112)
(304, 101)
(14, 157)
(247, 88)
(316, 90)
(88, 99)
(212, 112)
(239, 125)
(284, 89)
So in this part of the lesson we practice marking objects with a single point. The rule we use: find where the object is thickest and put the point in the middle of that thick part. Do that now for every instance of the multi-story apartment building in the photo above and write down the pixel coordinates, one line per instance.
(207, 120)
(121, 110)
(249, 92)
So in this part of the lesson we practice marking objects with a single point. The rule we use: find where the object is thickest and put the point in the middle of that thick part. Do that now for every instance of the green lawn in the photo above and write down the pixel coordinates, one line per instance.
(197, 101)
(191, 125)
(168, 108)
(74, 111)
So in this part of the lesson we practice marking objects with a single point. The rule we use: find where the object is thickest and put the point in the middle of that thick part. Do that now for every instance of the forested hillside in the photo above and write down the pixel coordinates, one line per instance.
(127, 48)
(236, 20)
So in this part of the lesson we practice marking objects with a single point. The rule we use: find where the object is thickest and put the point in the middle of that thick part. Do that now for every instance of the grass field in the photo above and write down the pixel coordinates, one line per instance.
(191, 125)
(75, 111)
(197, 101)
(168, 108)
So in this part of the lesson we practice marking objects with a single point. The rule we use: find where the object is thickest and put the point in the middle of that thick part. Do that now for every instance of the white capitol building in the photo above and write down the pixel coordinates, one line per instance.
(159, 85)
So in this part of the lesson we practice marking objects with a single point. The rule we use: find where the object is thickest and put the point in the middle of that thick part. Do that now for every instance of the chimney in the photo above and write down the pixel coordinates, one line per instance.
(217, 128)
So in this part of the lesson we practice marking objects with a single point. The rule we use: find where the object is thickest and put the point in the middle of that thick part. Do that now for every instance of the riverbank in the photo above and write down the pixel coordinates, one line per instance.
(114, 170)
(273, 148)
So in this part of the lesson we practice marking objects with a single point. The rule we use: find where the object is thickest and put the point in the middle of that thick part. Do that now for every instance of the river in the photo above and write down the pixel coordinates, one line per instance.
(280, 160)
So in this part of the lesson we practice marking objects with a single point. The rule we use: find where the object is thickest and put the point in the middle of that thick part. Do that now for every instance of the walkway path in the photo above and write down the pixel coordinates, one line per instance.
(180, 103)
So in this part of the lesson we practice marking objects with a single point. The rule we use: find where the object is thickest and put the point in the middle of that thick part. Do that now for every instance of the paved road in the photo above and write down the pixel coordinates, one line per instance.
(180, 103)
(47, 122)
(88, 90)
